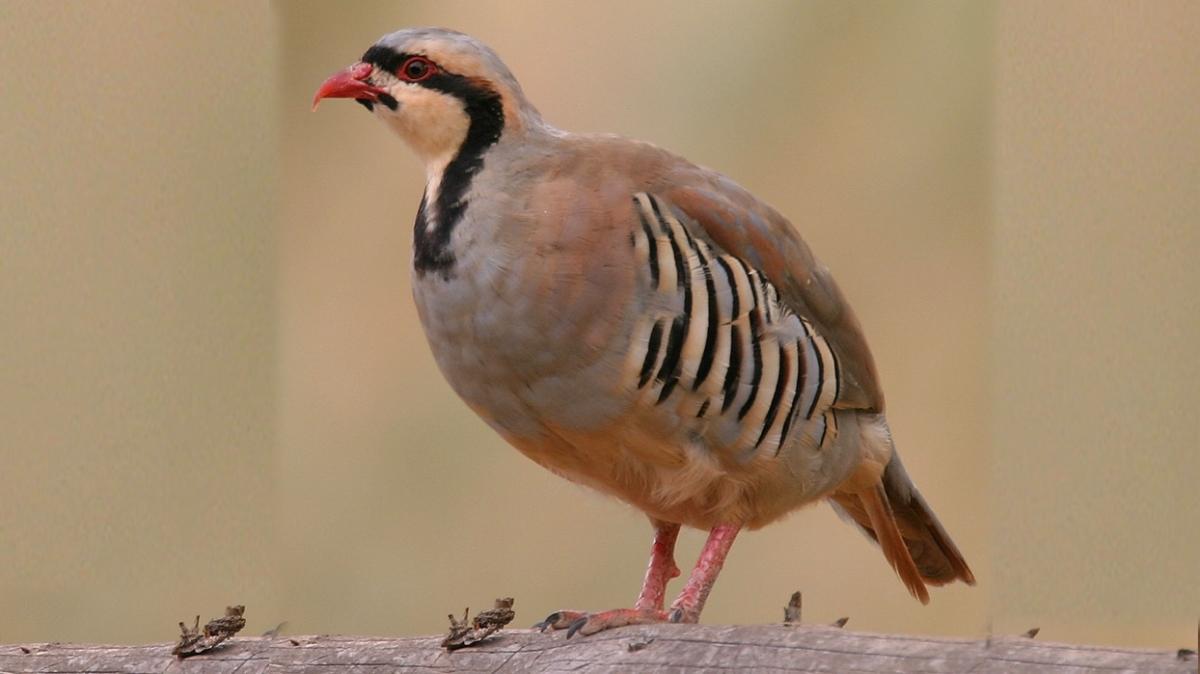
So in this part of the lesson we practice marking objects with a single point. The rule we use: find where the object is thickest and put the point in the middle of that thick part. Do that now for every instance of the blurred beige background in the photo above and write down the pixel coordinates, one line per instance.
(214, 389)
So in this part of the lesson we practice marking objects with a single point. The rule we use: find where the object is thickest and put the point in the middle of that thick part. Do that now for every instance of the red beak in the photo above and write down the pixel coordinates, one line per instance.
(349, 83)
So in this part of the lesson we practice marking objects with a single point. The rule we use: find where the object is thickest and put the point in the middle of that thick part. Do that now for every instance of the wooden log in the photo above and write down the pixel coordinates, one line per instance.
(646, 648)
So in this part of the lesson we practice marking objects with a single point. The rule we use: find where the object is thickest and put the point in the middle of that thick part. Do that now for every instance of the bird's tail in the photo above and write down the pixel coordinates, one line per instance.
(896, 516)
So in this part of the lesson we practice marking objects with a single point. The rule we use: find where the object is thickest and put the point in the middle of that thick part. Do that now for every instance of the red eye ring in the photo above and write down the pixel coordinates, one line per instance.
(416, 69)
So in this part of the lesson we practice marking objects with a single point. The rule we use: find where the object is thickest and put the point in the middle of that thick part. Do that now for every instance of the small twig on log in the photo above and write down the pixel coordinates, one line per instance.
(791, 612)
(193, 642)
(189, 637)
(486, 623)
(1031, 633)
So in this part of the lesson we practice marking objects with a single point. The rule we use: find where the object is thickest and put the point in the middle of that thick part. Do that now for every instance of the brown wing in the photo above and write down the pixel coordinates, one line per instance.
(748, 228)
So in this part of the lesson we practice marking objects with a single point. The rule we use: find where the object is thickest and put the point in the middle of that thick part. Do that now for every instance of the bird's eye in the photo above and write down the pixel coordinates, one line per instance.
(416, 69)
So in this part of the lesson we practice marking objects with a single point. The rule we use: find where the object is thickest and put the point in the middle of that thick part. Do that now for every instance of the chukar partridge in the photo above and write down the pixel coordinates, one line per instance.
(637, 324)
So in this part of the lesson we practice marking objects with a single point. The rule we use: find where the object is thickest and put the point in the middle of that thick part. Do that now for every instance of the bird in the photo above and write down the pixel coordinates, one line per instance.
(637, 324)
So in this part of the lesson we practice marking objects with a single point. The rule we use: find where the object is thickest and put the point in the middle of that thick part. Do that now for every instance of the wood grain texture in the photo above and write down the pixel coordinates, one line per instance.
(648, 648)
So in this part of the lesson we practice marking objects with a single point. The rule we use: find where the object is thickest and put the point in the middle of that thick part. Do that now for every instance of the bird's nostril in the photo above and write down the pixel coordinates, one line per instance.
(361, 71)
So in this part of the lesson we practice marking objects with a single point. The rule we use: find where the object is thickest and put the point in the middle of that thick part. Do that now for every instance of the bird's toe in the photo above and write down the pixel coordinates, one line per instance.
(559, 620)
(591, 623)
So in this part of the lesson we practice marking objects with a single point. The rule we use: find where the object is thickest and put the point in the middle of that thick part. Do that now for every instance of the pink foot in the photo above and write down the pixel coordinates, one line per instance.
(576, 622)
(649, 607)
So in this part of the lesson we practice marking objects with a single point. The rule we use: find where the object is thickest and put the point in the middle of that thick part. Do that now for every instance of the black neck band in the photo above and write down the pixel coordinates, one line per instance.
(485, 110)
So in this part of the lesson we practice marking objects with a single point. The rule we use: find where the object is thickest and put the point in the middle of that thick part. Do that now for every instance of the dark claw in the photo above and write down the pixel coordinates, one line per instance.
(576, 626)
(547, 623)
(676, 615)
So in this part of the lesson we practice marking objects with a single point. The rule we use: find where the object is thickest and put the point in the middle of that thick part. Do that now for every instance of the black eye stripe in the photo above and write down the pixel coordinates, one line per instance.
(394, 62)
(471, 92)
(382, 57)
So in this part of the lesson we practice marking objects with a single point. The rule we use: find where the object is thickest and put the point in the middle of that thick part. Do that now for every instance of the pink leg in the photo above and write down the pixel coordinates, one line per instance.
(661, 569)
(687, 606)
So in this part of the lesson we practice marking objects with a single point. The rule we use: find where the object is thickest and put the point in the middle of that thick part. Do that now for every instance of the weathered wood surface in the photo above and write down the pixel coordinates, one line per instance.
(651, 648)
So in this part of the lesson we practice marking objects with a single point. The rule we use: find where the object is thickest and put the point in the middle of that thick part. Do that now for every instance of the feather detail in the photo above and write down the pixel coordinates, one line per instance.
(883, 523)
